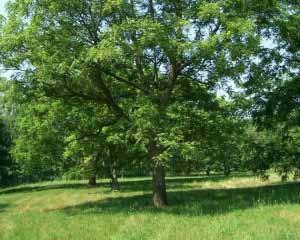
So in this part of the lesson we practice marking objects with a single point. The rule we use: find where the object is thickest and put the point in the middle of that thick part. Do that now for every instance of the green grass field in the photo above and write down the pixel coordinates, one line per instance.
(237, 207)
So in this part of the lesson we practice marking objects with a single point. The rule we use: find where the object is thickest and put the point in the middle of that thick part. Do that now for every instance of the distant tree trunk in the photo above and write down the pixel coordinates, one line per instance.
(93, 171)
(284, 177)
(208, 171)
(92, 181)
(227, 171)
(114, 183)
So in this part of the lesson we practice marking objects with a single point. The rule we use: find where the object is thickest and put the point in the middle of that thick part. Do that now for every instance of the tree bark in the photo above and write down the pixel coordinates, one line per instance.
(284, 177)
(93, 171)
(158, 177)
(114, 183)
(159, 187)
(227, 171)
(92, 181)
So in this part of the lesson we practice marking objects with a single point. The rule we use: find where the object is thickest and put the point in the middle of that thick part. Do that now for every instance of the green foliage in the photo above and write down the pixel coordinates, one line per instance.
(7, 165)
(38, 143)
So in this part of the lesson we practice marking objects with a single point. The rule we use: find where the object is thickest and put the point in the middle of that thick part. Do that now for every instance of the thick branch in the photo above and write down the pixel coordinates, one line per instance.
(15, 69)
(195, 80)
(173, 74)
(108, 98)
(94, 134)
(151, 9)
(123, 80)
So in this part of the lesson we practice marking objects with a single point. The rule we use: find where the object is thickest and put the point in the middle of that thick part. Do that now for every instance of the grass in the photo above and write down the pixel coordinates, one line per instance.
(238, 207)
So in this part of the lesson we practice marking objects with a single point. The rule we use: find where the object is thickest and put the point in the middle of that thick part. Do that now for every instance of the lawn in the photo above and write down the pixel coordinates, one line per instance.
(237, 207)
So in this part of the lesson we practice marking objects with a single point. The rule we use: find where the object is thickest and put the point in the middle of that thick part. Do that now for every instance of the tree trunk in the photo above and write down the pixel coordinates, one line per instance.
(227, 171)
(93, 170)
(284, 177)
(158, 178)
(92, 181)
(114, 183)
(207, 172)
(159, 187)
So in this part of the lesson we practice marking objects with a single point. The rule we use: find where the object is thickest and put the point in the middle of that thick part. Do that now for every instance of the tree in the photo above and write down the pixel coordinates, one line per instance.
(7, 166)
(103, 153)
(274, 87)
(140, 59)
(38, 141)
(273, 83)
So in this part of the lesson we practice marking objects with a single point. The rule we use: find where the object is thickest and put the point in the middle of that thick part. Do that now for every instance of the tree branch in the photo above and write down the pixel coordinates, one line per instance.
(94, 134)
(132, 84)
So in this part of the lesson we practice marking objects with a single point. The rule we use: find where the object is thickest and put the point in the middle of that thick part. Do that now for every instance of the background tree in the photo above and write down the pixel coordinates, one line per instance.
(8, 169)
(274, 87)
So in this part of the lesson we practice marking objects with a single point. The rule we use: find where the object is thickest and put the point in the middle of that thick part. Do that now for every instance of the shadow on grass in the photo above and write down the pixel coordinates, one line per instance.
(3, 207)
(28, 189)
(128, 185)
(194, 202)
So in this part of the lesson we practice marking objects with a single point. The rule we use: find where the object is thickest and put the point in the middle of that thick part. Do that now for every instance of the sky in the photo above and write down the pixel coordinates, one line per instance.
(2, 3)
(2, 11)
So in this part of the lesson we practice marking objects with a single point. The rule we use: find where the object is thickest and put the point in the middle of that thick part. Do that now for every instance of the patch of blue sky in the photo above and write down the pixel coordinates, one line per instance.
(2, 6)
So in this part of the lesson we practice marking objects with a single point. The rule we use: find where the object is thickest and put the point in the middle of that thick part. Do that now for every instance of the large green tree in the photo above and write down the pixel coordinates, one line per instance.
(141, 59)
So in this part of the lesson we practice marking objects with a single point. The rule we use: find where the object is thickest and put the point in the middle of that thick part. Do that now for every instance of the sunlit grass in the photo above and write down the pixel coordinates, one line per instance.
(216, 207)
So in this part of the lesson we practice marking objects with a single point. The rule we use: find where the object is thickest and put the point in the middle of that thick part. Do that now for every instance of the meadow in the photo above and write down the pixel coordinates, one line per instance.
(215, 207)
